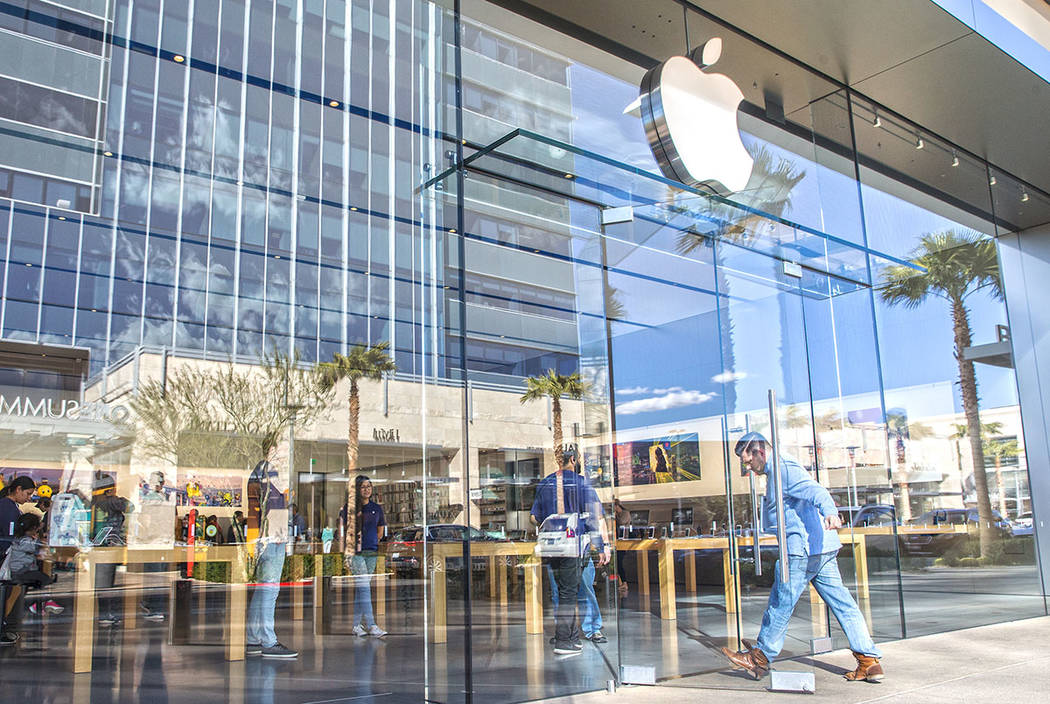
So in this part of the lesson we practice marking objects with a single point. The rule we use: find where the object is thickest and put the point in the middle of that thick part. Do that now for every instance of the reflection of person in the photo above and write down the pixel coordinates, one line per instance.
(371, 528)
(12, 496)
(810, 522)
(264, 487)
(298, 525)
(327, 536)
(623, 520)
(108, 515)
(154, 504)
(235, 533)
(565, 491)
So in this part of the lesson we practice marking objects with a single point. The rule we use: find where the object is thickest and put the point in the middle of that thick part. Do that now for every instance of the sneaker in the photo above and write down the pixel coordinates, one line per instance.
(568, 649)
(376, 631)
(53, 607)
(359, 630)
(9, 638)
(154, 616)
(253, 650)
(279, 651)
(596, 637)
(107, 621)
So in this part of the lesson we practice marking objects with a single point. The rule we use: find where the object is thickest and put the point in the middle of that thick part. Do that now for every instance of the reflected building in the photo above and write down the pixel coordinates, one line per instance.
(192, 192)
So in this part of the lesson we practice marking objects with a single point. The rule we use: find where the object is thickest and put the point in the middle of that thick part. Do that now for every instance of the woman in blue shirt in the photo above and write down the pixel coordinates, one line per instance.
(371, 528)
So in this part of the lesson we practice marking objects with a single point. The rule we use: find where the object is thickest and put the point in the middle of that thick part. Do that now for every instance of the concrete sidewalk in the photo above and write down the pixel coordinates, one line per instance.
(1007, 662)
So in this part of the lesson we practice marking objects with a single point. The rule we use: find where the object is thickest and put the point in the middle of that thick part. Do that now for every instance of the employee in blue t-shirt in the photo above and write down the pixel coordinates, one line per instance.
(370, 528)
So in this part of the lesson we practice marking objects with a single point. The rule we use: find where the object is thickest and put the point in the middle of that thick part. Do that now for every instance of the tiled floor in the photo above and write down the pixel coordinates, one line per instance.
(137, 664)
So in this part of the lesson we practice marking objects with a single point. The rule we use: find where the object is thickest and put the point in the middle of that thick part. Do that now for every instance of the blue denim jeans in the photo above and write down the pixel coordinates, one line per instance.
(264, 600)
(823, 571)
(586, 599)
(363, 566)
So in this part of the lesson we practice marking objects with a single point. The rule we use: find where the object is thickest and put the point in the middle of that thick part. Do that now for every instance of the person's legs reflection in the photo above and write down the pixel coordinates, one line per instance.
(260, 628)
(567, 578)
(363, 566)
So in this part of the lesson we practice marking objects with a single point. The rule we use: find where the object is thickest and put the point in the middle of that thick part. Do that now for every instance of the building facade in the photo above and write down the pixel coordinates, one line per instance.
(207, 206)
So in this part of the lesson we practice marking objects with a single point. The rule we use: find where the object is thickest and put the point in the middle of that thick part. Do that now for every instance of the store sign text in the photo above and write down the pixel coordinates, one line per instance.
(69, 409)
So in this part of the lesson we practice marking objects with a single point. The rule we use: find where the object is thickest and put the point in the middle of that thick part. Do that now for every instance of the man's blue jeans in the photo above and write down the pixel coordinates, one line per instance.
(264, 600)
(363, 566)
(823, 571)
(586, 599)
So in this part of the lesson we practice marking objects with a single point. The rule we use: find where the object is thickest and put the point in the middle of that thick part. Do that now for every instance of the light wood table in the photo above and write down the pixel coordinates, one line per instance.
(85, 607)
(498, 553)
(666, 547)
(322, 590)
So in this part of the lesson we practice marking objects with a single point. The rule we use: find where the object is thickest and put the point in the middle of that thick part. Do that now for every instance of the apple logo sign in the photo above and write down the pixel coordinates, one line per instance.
(690, 119)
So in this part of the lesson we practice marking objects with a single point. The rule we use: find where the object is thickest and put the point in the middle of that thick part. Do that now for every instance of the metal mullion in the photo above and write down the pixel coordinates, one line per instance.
(43, 267)
(238, 227)
(149, 187)
(345, 189)
(182, 176)
(293, 299)
(116, 195)
(434, 110)
(391, 173)
(269, 174)
(7, 266)
(211, 185)
(100, 124)
(76, 284)
(368, 180)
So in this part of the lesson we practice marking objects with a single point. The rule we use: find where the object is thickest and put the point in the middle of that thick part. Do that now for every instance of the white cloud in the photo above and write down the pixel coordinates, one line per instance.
(633, 391)
(727, 377)
(674, 398)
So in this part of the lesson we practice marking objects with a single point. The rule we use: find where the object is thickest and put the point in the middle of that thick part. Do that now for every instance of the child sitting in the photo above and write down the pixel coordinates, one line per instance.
(24, 566)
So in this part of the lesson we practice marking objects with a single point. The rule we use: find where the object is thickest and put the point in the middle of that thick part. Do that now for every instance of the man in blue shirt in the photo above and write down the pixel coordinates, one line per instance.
(811, 520)
(577, 496)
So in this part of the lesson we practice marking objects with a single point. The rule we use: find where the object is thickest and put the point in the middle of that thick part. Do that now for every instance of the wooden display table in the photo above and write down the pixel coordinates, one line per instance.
(85, 608)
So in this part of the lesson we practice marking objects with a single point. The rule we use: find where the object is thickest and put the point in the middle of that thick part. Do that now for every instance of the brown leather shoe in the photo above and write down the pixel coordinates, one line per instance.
(868, 669)
(752, 660)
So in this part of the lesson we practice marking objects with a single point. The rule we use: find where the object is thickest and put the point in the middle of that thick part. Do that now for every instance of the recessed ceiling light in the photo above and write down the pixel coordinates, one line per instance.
(107, 153)
(569, 176)
(334, 103)
(178, 58)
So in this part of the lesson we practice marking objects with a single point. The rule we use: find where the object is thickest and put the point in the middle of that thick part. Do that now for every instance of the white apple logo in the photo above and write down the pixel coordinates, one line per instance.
(690, 120)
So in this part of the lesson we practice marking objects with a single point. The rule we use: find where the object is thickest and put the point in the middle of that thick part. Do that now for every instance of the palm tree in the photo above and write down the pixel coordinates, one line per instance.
(555, 385)
(897, 426)
(360, 362)
(953, 267)
(768, 190)
(1000, 449)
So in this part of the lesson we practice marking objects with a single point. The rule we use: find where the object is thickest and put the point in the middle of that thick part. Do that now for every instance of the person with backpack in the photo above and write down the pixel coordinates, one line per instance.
(567, 491)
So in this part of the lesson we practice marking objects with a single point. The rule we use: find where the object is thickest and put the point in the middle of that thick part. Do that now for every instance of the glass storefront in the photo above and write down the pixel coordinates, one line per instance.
(292, 363)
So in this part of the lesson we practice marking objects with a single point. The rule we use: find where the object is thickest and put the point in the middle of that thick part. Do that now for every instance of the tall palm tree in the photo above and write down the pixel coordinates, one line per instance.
(954, 267)
(1000, 449)
(360, 362)
(555, 386)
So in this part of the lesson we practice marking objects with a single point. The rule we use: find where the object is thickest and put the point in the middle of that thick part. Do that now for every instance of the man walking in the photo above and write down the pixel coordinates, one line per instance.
(566, 491)
(810, 524)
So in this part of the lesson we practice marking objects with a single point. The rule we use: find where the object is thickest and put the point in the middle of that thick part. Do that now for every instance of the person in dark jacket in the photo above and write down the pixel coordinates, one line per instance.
(12, 496)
